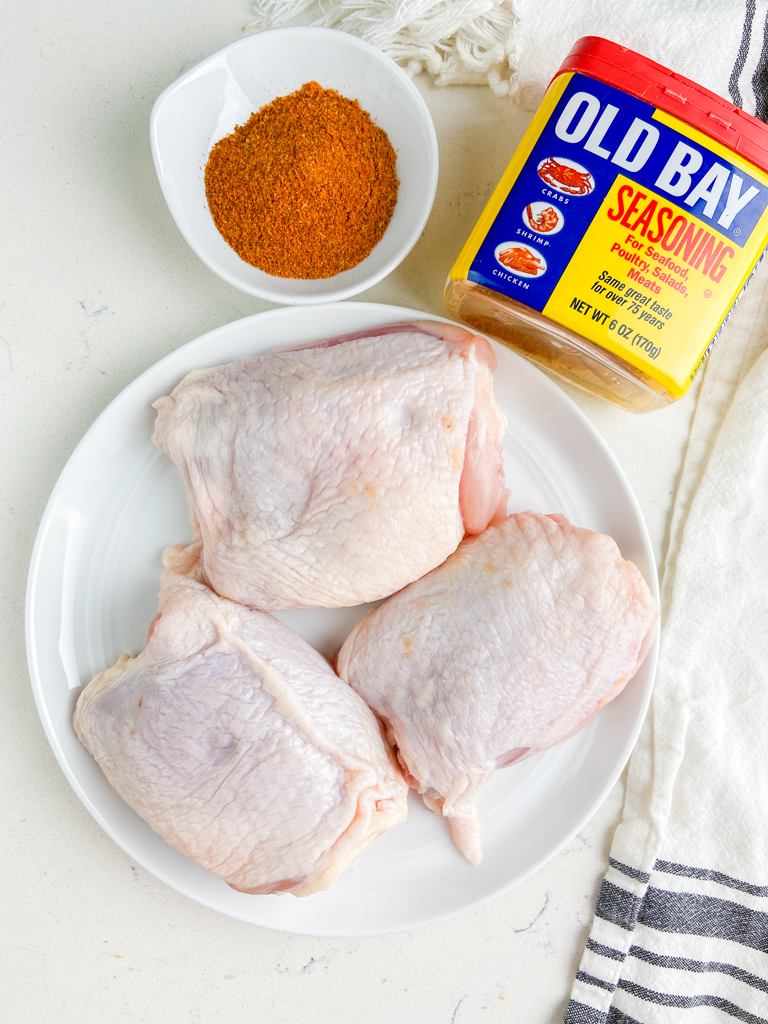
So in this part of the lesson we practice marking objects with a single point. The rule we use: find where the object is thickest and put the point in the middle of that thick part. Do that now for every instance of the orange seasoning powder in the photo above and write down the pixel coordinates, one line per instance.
(306, 188)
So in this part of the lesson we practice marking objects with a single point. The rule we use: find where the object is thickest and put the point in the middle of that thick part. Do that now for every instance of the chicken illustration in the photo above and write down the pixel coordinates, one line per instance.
(507, 648)
(240, 746)
(335, 473)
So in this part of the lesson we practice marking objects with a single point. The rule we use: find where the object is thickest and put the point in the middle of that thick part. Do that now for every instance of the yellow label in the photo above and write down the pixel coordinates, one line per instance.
(648, 282)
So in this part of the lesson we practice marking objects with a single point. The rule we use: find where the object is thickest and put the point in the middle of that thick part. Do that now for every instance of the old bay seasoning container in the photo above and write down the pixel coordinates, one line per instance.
(622, 232)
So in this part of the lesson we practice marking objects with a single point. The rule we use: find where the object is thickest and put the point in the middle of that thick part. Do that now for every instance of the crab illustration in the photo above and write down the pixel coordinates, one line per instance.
(565, 178)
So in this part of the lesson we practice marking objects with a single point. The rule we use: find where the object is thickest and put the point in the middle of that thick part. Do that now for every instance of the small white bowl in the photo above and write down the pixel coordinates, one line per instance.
(207, 102)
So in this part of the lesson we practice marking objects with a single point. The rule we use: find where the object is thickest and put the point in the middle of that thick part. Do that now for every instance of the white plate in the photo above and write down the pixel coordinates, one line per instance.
(207, 102)
(92, 594)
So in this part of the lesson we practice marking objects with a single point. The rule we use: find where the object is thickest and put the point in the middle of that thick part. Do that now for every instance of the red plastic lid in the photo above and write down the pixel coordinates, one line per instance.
(624, 69)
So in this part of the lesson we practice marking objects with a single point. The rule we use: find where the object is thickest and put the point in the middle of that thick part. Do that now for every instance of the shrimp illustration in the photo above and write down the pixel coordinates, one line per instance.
(546, 221)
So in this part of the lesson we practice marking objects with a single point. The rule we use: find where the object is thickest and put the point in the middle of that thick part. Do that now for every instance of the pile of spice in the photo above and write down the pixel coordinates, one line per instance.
(306, 188)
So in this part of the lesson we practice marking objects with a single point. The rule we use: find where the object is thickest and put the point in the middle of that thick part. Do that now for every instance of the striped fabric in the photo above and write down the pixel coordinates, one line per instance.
(679, 944)
(748, 83)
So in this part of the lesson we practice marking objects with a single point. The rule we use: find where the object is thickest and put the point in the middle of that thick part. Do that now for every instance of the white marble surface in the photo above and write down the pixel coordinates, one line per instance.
(96, 284)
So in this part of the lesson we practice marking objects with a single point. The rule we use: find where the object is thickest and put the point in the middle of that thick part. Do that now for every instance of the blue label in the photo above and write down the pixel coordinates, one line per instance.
(596, 133)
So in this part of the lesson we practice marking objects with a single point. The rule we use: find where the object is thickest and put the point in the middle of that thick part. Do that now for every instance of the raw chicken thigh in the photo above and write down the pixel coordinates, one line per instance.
(508, 647)
(335, 473)
(238, 743)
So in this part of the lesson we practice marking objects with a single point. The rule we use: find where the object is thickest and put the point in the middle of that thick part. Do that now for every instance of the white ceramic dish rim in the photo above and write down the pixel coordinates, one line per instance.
(649, 668)
(264, 291)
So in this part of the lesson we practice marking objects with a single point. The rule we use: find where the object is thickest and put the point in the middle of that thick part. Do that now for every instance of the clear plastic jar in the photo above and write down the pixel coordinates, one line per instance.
(624, 230)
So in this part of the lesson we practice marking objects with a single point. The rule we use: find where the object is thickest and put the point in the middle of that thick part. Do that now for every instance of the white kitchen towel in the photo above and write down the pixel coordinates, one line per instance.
(515, 46)
(718, 43)
(680, 932)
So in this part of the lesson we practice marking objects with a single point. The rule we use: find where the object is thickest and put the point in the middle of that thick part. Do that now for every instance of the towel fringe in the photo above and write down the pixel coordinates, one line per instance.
(457, 42)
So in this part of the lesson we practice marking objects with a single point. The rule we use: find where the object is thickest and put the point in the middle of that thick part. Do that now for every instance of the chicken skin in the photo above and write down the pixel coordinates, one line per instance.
(336, 473)
(510, 646)
(240, 746)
